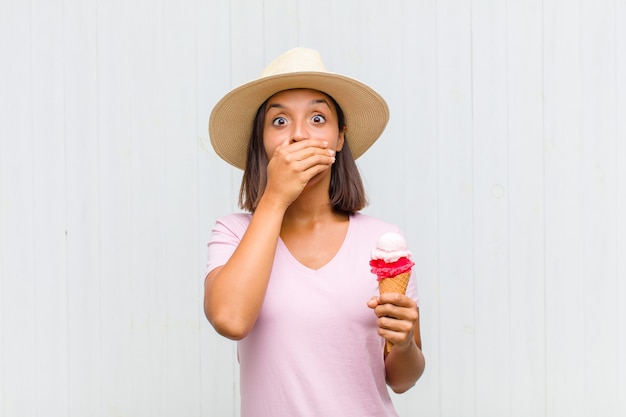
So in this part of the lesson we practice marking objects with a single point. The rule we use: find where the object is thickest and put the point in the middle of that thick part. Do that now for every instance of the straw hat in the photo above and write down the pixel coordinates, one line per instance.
(230, 124)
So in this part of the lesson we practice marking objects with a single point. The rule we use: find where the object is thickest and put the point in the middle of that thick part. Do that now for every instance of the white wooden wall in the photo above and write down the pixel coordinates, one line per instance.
(507, 155)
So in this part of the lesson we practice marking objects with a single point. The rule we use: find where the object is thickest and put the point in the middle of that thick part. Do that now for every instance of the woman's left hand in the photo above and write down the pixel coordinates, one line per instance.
(397, 315)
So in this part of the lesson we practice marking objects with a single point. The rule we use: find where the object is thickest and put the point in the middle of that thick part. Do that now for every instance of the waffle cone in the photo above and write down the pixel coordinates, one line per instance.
(394, 284)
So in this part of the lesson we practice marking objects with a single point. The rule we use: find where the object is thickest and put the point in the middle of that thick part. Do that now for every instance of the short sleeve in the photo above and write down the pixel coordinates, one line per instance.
(225, 238)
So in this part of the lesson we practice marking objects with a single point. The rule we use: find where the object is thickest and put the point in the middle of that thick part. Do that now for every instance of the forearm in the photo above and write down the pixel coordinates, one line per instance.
(404, 365)
(234, 295)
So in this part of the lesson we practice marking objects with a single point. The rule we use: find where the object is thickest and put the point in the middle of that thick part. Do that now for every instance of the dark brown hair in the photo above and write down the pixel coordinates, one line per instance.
(346, 191)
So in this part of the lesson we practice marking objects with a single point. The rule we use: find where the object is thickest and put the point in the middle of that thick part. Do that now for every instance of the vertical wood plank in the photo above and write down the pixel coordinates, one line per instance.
(526, 207)
(347, 29)
(115, 205)
(280, 28)
(3, 148)
(19, 363)
(620, 147)
(149, 308)
(314, 28)
(418, 110)
(563, 202)
(49, 209)
(598, 189)
(82, 194)
(247, 42)
(5, 17)
(490, 208)
(455, 203)
(180, 278)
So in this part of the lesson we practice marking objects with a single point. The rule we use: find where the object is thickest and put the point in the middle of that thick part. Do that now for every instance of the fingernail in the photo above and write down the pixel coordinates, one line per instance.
(331, 152)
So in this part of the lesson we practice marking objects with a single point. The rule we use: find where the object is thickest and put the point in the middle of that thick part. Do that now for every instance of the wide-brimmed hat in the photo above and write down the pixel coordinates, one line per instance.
(230, 124)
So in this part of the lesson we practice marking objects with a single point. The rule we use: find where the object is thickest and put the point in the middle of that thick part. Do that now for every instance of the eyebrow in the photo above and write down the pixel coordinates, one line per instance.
(321, 101)
(313, 102)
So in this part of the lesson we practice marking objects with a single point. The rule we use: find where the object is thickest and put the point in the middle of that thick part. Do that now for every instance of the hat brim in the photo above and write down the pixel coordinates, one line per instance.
(230, 124)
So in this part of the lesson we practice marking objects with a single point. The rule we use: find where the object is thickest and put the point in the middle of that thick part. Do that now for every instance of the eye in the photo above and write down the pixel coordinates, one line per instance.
(318, 118)
(279, 121)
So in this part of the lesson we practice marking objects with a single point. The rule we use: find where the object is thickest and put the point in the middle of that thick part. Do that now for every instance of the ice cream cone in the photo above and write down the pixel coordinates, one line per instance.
(393, 284)
(391, 263)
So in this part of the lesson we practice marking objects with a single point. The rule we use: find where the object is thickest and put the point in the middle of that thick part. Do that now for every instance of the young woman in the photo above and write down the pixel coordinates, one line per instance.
(290, 280)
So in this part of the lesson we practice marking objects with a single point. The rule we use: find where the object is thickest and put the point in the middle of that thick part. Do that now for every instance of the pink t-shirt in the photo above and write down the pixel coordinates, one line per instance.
(314, 350)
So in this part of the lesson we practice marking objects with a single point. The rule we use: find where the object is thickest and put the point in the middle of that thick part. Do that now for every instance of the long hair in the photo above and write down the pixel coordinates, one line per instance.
(346, 191)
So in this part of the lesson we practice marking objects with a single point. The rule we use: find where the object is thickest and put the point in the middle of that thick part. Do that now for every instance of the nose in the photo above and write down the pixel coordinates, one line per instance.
(300, 131)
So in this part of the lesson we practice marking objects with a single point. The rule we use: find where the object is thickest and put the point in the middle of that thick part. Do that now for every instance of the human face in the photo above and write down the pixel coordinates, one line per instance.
(296, 115)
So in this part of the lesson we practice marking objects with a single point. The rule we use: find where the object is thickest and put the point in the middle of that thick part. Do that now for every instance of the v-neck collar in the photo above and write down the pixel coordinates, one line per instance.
(283, 247)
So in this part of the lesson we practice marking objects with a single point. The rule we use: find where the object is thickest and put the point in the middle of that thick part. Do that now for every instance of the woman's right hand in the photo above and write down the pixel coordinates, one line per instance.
(293, 164)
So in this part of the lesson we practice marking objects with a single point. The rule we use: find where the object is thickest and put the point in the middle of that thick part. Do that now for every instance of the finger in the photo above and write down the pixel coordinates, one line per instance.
(395, 325)
(311, 156)
(396, 331)
(288, 148)
(397, 299)
(314, 165)
(396, 312)
(295, 146)
(396, 338)
(298, 168)
(305, 158)
(372, 302)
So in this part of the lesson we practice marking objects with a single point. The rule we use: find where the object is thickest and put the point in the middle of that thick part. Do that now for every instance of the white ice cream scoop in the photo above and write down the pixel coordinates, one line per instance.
(390, 247)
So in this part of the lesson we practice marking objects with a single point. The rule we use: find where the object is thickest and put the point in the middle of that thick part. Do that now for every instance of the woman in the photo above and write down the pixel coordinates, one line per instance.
(291, 281)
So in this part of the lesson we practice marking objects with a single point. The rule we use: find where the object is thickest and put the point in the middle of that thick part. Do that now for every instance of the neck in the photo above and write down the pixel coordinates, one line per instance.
(304, 216)
(312, 206)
